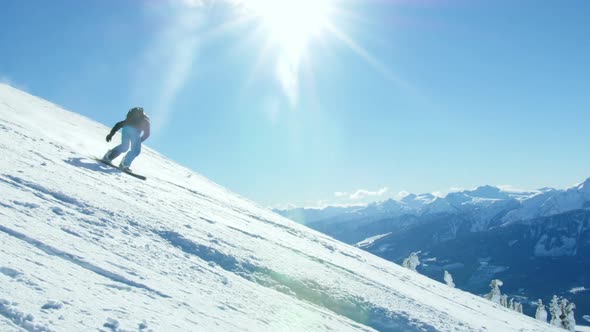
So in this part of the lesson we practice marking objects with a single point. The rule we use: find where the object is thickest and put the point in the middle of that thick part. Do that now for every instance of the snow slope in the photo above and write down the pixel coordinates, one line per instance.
(84, 247)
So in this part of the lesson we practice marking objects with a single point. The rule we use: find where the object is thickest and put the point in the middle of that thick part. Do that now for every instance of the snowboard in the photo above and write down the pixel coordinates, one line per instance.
(135, 175)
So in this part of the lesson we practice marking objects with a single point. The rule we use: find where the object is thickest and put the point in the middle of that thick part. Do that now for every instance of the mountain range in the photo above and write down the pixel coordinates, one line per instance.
(492, 205)
(536, 241)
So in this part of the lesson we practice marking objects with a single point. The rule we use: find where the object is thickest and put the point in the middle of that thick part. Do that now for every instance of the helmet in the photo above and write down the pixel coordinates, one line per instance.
(137, 110)
(136, 113)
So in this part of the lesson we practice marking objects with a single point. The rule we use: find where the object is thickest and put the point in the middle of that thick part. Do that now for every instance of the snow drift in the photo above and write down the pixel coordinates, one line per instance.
(85, 247)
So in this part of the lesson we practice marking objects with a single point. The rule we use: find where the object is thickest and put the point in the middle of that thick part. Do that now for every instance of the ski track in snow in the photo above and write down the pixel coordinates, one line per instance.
(85, 247)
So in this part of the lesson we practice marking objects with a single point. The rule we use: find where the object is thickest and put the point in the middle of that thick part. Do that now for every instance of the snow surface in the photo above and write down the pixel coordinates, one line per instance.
(370, 240)
(85, 247)
(578, 290)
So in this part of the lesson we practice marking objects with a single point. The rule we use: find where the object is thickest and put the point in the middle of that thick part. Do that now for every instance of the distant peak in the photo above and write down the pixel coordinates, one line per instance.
(487, 187)
(585, 186)
(409, 197)
(486, 191)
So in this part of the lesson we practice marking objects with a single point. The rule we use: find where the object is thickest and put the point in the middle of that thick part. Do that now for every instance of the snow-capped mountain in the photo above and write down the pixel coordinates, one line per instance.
(491, 206)
(86, 247)
(309, 215)
(550, 202)
(483, 234)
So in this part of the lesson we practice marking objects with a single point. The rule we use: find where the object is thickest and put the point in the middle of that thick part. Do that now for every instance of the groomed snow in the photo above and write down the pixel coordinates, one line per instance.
(84, 247)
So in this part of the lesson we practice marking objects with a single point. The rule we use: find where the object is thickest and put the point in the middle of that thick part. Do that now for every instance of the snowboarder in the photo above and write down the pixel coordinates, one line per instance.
(136, 129)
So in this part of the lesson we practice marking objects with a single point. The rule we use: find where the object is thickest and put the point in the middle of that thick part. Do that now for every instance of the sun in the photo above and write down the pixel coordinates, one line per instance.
(290, 26)
(291, 23)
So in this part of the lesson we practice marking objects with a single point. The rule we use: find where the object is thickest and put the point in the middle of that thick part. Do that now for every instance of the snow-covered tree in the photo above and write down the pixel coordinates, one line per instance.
(555, 310)
(541, 313)
(504, 300)
(566, 318)
(449, 279)
(495, 295)
(569, 321)
(518, 307)
(412, 261)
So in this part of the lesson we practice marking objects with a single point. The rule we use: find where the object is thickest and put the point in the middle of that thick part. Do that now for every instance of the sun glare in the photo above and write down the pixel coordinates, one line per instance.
(291, 23)
(290, 26)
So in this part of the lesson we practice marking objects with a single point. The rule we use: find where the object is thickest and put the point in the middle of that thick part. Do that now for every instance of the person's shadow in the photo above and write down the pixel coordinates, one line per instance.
(93, 165)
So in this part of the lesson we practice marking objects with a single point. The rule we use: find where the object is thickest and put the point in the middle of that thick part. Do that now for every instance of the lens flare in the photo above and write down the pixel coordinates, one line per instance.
(291, 25)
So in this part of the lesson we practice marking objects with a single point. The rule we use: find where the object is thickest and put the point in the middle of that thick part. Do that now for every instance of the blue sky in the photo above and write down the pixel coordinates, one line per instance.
(310, 106)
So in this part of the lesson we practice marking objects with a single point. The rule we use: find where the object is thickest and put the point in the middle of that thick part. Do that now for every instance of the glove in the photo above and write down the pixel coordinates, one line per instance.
(109, 137)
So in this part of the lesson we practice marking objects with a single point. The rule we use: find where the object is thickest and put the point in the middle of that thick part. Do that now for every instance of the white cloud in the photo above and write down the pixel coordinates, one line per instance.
(361, 194)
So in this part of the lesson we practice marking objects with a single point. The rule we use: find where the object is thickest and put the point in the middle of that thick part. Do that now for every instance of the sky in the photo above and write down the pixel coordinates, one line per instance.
(315, 102)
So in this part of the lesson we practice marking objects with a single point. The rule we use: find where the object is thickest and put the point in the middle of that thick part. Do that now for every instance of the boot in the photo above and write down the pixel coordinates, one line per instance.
(107, 158)
(124, 167)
